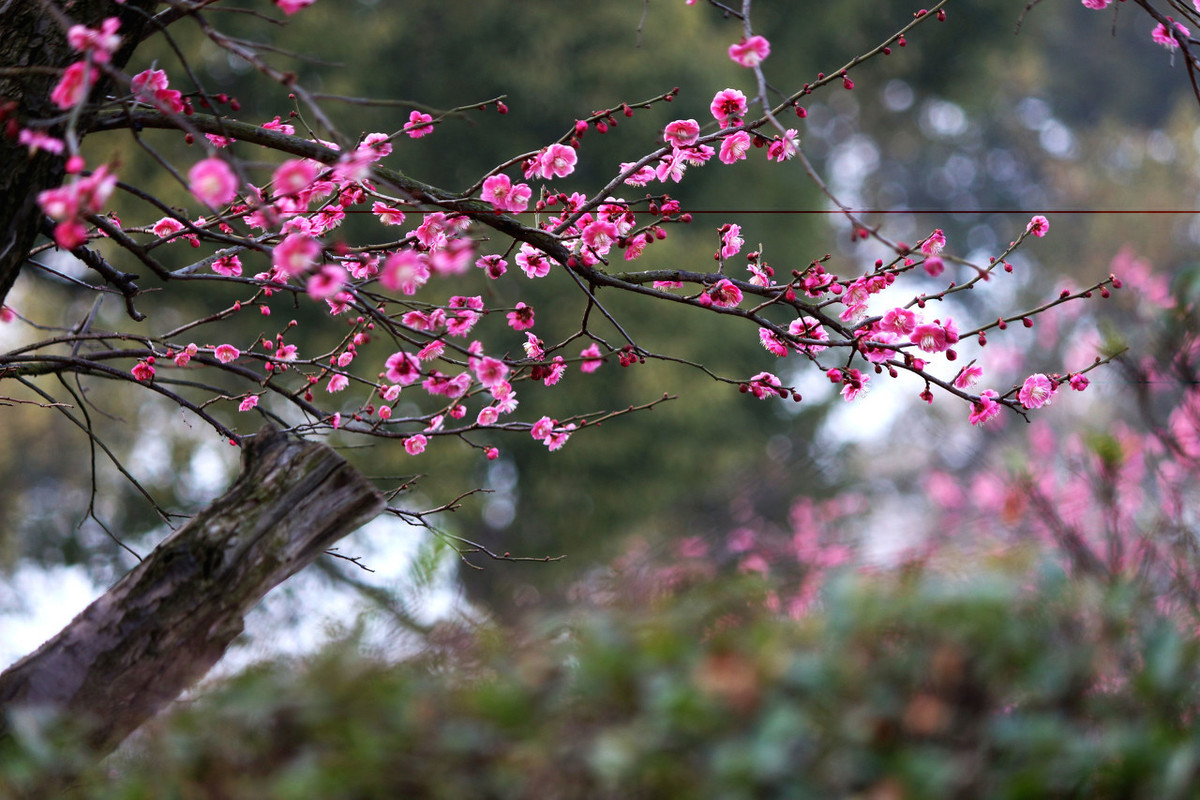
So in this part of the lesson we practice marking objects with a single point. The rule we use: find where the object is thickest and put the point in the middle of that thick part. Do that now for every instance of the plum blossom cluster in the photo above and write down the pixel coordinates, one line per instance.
(70, 205)
(1115, 499)
(418, 357)
(1167, 34)
(901, 339)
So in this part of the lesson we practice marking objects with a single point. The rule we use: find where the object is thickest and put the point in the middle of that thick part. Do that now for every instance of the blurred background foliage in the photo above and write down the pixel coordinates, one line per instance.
(971, 128)
(1011, 682)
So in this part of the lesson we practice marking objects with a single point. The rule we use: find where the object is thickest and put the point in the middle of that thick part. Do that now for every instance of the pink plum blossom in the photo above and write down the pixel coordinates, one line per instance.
(728, 107)
(556, 161)
(492, 265)
(431, 350)
(985, 408)
(150, 87)
(772, 343)
(672, 166)
(1096, 5)
(968, 377)
(381, 143)
(167, 226)
(453, 258)
(785, 147)
(542, 428)
(296, 254)
(293, 176)
(40, 140)
(226, 353)
(504, 196)
(1038, 226)
(402, 368)
(490, 371)
(555, 371)
(879, 345)
(213, 182)
(534, 347)
(636, 245)
(1037, 391)
(731, 240)
(760, 275)
(282, 127)
(418, 125)
(229, 265)
(521, 317)
(387, 214)
(854, 384)
(934, 244)
(681, 132)
(290, 7)
(600, 236)
(591, 358)
(558, 438)
(415, 445)
(641, 177)
(899, 320)
(337, 383)
(809, 328)
(74, 85)
(750, 52)
(185, 355)
(533, 262)
(934, 337)
(143, 371)
(1161, 35)
(326, 282)
(100, 43)
(404, 271)
(724, 293)
(734, 147)
(763, 385)
(249, 402)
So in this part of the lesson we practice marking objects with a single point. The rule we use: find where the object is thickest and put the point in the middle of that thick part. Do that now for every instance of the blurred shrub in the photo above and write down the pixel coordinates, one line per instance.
(897, 686)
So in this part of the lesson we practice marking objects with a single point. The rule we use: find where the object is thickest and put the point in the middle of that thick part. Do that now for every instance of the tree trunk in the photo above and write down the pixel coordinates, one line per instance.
(30, 37)
(163, 625)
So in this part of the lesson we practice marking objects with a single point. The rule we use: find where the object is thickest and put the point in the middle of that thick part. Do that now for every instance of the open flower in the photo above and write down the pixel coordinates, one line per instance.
(750, 52)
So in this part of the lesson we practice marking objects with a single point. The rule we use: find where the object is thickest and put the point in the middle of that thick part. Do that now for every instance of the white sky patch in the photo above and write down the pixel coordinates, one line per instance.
(871, 416)
(941, 119)
(850, 164)
(37, 603)
(898, 95)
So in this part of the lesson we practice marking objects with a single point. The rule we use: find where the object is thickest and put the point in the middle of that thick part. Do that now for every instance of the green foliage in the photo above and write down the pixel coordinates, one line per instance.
(903, 686)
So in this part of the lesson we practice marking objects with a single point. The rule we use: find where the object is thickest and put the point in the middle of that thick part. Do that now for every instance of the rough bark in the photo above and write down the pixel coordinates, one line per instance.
(30, 37)
(163, 625)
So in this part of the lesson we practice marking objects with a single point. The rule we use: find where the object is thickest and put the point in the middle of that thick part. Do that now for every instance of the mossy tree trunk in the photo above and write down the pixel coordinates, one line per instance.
(163, 625)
